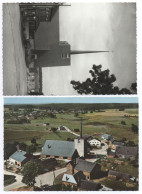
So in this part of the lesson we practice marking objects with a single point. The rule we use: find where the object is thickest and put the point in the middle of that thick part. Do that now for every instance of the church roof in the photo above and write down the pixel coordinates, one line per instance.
(58, 148)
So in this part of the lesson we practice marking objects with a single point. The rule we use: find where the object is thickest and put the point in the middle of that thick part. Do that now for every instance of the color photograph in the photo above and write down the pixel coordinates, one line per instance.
(71, 144)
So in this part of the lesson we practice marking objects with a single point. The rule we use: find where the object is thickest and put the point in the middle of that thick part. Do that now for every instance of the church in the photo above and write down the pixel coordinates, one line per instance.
(65, 149)
(51, 52)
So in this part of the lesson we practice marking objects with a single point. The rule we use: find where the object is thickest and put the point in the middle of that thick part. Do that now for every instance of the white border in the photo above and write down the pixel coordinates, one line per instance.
(139, 80)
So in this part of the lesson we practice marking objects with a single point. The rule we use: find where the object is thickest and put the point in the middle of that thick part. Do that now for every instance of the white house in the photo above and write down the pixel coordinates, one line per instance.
(61, 128)
(95, 142)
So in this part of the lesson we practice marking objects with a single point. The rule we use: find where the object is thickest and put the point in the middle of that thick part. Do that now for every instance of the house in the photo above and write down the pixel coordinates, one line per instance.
(120, 176)
(89, 186)
(95, 142)
(111, 154)
(116, 143)
(75, 179)
(87, 137)
(59, 149)
(126, 152)
(61, 128)
(19, 158)
(89, 169)
(106, 137)
(45, 124)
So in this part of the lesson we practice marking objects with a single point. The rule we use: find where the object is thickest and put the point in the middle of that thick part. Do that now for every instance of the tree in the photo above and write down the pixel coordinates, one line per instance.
(30, 171)
(30, 149)
(134, 128)
(100, 83)
(123, 122)
(134, 88)
(131, 143)
(9, 149)
(33, 140)
(76, 114)
(53, 129)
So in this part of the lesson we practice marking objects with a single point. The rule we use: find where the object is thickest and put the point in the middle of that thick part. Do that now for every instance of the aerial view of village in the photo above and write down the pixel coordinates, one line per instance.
(71, 147)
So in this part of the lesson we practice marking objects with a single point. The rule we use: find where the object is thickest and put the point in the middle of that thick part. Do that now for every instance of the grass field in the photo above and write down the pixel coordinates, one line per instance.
(96, 122)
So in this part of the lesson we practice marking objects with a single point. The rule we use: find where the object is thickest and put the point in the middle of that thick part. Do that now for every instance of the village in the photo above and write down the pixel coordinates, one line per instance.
(81, 162)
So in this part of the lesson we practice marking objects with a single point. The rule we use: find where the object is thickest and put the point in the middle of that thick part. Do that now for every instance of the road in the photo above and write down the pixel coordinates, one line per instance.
(48, 178)
(98, 153)
(43, 179)
(68, 130)
(18, 182)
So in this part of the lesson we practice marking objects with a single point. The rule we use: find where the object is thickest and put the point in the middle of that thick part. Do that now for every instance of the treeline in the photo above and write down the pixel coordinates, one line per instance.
(76, 106)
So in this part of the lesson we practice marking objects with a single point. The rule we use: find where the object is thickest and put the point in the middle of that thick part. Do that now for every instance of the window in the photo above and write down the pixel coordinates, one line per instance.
(65, 55)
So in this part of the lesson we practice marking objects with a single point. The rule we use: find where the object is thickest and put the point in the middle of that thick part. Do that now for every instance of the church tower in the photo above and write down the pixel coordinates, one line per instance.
(80, 144)
(50, 50)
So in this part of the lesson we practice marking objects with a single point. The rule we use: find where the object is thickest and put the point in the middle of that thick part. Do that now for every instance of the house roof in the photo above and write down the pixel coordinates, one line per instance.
(106, 136)
(73, 178)
(69, 178)
(118, 143)
(89, 185)
(58, 148)
(119, 174)
(18, 156)
(86, 137)
(127, 151)
(83, 165)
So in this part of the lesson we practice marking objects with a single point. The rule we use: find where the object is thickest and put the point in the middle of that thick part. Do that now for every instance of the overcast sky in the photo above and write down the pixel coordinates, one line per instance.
(97, 26)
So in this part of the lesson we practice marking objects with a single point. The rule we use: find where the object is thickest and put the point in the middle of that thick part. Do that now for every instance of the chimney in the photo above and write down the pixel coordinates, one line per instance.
(67, 178)
(49, 146)
(81, 128)
(17, 147)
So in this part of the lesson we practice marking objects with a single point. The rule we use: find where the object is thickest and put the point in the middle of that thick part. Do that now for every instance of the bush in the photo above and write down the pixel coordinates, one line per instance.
(134, 128)
(53, 129)
(123, 123)
(9, 179)
(76, 130)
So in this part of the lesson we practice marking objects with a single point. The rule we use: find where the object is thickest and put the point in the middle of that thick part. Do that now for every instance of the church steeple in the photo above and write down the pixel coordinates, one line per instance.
(74, 52)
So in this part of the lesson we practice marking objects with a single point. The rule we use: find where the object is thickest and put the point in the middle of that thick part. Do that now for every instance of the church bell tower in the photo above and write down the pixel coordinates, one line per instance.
(80, 144)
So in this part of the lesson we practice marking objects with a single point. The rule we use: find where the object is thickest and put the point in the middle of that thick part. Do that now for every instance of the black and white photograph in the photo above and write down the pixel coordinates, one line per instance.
(68, 49)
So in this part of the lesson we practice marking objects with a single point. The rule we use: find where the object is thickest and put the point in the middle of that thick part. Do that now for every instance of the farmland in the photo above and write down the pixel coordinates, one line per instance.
(105, 121)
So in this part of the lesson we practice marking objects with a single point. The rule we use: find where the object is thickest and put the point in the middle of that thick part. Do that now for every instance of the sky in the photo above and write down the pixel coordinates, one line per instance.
(47, 100)
(95, 26)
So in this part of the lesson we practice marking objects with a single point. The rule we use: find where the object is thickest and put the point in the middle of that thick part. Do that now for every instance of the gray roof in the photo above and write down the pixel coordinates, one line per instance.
(106, 136)
(83, 165)
(119, 174)
(86, 136)
(58, 148)
(127, 151)
(118, 143)
(18, 156)
(89, 185)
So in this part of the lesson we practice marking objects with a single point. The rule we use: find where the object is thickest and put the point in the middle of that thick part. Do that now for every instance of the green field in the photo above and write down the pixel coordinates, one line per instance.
(96, 122)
